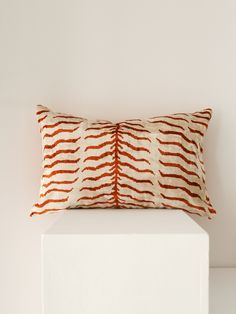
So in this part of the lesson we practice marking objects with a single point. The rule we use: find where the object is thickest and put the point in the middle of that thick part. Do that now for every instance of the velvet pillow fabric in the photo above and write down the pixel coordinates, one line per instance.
(152, 163)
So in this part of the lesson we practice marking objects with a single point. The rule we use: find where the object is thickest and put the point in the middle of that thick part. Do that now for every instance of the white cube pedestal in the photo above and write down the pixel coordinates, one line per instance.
(125, 262)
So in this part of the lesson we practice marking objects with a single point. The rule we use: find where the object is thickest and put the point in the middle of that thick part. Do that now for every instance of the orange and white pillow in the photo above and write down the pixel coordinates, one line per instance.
(153, 163)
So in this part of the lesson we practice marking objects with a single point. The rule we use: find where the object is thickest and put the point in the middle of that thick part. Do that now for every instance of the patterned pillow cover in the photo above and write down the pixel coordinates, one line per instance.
(153, 163)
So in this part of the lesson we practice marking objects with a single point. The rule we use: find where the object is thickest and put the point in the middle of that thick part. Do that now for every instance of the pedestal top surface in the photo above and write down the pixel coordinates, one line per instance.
(127, 221)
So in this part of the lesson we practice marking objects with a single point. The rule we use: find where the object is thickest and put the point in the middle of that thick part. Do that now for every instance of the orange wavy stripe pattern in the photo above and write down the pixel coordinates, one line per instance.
(135, 163)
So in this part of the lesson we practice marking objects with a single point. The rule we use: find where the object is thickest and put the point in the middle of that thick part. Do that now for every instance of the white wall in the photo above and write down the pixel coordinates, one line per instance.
(109, 59)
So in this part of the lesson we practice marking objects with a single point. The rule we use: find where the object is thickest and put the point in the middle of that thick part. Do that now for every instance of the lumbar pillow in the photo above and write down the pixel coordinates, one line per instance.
(153, 163)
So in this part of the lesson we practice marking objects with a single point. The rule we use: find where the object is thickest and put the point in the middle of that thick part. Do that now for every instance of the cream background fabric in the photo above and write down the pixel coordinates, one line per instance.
(153, 163)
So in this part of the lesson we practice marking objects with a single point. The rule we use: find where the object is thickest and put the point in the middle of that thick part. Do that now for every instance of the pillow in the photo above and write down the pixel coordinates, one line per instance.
(153, 163)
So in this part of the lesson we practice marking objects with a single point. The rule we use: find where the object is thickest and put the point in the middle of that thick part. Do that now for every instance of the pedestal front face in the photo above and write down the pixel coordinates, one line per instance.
(158, 265)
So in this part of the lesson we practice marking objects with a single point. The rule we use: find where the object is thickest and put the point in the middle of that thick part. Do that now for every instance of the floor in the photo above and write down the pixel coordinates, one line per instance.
(222, 291)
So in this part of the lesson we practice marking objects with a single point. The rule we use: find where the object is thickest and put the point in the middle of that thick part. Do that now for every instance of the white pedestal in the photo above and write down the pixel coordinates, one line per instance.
(125, 262)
